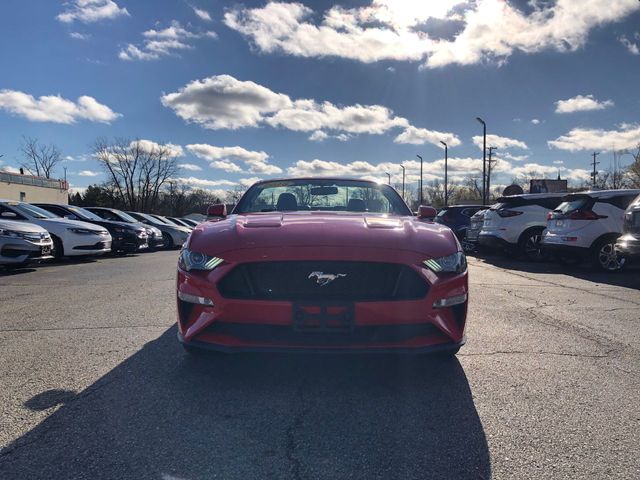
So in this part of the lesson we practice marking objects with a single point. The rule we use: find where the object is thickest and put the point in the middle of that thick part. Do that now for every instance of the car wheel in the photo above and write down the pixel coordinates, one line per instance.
(606, 258)
(58, 249)
(168, 241)
(530, 246)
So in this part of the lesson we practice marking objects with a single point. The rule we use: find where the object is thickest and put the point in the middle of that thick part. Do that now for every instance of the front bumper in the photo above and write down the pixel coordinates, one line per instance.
(99, 248)
(128, 243)
(629, 245)
(17, 252)
(268, 325)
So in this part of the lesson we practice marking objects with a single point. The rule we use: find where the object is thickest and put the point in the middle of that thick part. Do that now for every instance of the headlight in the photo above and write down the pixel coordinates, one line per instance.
(190, 260)
(84, 231)
(454, 263)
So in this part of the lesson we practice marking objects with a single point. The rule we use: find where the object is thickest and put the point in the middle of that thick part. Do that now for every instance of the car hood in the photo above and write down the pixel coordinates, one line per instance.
(297, 229)
(23, 227)
(59, 224)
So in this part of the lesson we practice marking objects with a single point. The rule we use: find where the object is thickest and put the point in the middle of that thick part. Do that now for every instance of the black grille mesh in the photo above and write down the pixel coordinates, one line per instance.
(359, 281)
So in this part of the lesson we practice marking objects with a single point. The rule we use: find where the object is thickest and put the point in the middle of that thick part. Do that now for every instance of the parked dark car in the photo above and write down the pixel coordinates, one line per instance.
(470, 241)
(191, 222)
(628, 243)
(126, 238)
(458, 217)
(156, 240)
(174, 235)
(180, 221)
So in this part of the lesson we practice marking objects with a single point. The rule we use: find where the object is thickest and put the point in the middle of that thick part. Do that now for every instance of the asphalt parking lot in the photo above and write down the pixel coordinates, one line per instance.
(95, 385)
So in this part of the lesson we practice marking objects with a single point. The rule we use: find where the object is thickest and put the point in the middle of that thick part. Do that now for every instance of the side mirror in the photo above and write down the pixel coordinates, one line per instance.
(8, 215)
(427, 213)
(217, 210)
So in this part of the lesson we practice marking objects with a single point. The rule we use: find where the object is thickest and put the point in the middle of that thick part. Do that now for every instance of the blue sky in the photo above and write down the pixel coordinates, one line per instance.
(263, 89)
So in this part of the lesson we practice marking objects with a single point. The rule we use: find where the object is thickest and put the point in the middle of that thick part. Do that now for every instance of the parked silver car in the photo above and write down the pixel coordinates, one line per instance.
(22, 243)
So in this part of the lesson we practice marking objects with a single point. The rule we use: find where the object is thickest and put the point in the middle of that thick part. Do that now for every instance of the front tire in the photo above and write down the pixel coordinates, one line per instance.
(168, 241)
(58, 249)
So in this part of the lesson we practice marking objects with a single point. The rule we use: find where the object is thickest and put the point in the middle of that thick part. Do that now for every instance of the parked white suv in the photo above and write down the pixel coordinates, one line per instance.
(586, 226)
(70, 237)
(516, 223)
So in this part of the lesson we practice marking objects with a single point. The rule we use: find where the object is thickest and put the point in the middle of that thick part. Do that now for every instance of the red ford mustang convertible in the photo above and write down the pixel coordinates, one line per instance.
(322, 265)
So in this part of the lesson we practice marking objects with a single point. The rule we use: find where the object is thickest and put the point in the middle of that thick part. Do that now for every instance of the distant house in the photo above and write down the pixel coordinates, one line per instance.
(29, 188)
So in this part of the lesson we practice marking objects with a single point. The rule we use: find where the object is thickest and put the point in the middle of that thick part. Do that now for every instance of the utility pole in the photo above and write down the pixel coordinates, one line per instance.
(402, 167)
(446, 158)
(491, 149)
(595, 172)
(420, 196)
(389, 176)
(484, 160)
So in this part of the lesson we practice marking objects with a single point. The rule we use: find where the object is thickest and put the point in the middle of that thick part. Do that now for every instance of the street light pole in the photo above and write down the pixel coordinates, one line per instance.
(491, 149)
(484, 160)
(402, 167)
(389, 176)
(420, 196)
(446, 159)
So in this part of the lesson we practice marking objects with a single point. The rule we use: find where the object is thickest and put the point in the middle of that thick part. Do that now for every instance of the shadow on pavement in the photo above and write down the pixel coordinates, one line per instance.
(629, 277)
(164, 415)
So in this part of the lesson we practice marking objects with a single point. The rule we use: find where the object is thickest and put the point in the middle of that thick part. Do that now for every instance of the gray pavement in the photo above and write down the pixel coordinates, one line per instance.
(94, 385)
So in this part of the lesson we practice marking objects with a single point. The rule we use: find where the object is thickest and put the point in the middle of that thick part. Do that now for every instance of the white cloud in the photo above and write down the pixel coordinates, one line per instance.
(535, 121)
(9, 169)
(628, 136)
(201, 182)
(80, 36)
(73, 189)
(150, 145)
(88, 173)
(190, 166)
(159, 43)
(318, 136)
(501, 143)
(581, 103)
(513, 158)
(558, 162)
(201, 14)
(89, 11)
(420, 136)
(247, 182)
(225, 157)
(223, 102)
(551, 171)
(632, 46)
(54, 108)
(393, 30)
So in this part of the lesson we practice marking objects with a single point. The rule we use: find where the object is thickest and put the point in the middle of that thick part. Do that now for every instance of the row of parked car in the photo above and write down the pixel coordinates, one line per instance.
(601, 227)
(39, 231)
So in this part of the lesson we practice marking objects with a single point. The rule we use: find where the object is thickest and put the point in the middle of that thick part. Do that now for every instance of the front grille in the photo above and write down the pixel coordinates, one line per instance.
(302, 280)
(286, 335)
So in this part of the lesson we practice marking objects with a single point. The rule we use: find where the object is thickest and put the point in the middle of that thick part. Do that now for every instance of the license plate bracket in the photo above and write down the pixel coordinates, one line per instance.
(323, 316)
(45, 250)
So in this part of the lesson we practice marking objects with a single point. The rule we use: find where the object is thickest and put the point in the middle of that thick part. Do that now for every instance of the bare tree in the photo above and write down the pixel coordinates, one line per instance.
(632, 173)
(136, 170)
(40, 159)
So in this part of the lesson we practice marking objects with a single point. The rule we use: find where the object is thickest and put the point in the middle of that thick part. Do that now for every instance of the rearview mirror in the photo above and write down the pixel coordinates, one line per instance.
(217, 210)
(426, 212)
(8, 215)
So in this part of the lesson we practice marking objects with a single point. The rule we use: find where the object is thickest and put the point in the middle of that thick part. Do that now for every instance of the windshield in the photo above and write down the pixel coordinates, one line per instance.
(32, 211)
(167, 221)
(322, 195)
(125, 216)
(84, 214)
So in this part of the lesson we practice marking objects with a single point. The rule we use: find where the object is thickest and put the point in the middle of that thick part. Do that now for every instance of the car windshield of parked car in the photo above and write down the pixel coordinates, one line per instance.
(126, 217)
(322, 195)
(32, 211)
(83, 214)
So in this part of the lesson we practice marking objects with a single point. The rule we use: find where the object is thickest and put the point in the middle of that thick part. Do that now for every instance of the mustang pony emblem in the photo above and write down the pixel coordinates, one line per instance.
(323, 279)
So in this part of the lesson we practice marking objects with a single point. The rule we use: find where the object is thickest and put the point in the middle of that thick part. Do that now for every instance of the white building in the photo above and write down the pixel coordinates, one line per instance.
(27, 188)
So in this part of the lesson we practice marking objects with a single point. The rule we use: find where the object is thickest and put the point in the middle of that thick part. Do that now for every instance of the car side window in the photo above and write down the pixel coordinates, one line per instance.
(55, 210)
(4, 209)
